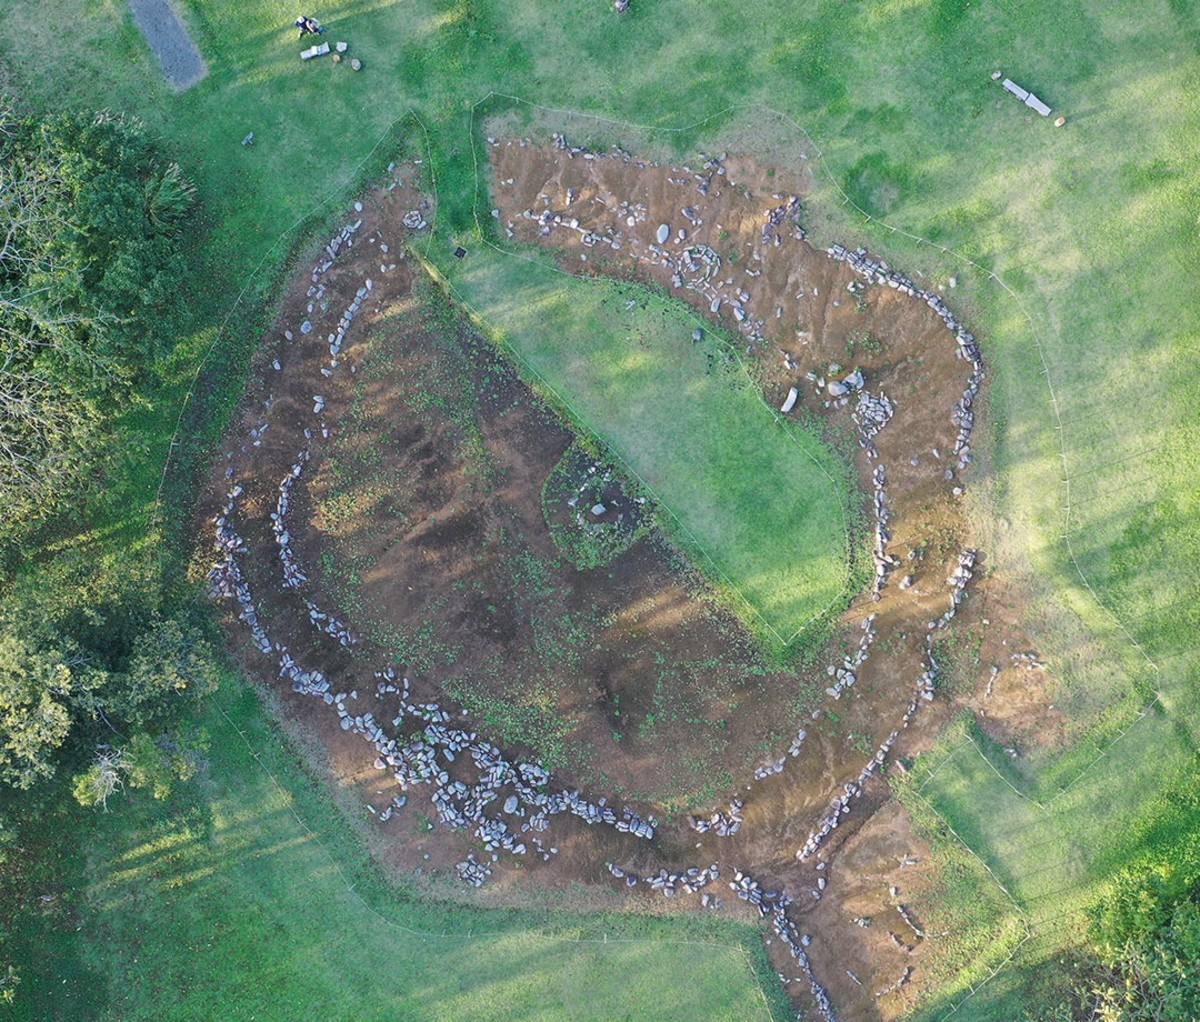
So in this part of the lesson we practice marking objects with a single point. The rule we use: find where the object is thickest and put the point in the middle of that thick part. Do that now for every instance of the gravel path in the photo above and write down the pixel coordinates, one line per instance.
(181, 62)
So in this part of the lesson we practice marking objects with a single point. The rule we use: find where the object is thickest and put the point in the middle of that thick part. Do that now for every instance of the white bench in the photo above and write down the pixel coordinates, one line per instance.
(1026, 97)
(1036, 104)
(1015, 89)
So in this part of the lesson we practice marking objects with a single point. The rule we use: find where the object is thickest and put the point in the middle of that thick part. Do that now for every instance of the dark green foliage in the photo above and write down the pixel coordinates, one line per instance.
(125, 205)
(89, 658)
(1155, 976)
(36, 684)
(170, 663)
(1142, 896)
(1146, 926)
(90, 286)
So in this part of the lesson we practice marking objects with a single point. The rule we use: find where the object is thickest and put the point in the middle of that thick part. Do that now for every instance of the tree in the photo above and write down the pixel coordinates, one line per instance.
(171, 665)
(159, 763)
(53, 689)
(151, 763)
(90, 296)
(35, 715)
(102, 779)
(89, 661)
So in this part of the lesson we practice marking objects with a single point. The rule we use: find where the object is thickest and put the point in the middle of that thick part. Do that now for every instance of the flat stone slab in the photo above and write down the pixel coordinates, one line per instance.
(1034, 103)
(165, 34)
(1015, 89)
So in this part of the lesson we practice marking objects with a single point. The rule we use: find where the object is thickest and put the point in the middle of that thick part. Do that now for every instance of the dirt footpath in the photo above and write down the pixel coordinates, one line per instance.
(181, 62)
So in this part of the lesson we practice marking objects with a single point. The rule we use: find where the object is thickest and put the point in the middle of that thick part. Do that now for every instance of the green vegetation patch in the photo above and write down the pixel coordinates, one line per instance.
(593, 517)
(877, 184)
(978, 925)
(758, 502)
(246, 890)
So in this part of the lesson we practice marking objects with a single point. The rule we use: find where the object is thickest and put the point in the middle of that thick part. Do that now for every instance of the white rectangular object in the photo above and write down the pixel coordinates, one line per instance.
(790, 403)
(315, 51)
(1015, 89)
(1036, 104)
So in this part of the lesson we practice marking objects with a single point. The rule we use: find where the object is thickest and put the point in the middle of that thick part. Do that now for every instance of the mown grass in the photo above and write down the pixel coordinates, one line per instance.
(1091, 226)
(1054, 857)
(246, 895)
(976, 925)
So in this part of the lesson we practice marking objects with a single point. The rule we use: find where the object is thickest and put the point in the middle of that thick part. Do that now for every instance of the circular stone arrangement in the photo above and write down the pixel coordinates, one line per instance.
(592, 515)
(510, 804)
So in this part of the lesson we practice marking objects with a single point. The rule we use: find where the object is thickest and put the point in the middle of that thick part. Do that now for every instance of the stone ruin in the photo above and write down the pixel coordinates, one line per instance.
(723, 823)
(509, 805)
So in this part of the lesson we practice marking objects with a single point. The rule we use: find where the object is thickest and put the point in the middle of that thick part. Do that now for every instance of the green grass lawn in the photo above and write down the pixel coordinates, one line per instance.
(758, 502)
(246, 896)
(1087, 475)
(1053, 856)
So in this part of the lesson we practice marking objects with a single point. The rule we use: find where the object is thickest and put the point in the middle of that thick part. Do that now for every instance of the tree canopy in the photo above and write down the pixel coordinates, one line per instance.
(92, 222)
(91, 276)
(89, 660)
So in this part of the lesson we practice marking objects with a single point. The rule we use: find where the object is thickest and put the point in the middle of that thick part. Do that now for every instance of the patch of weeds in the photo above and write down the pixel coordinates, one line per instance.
(576, 487)
(860, 743)
(531, 576)
(526, 715)
(862, 341)
(419, 650)
(560, 641)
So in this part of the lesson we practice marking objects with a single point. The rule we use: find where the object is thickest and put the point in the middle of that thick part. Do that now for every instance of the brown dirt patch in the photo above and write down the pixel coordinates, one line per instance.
(419, 522)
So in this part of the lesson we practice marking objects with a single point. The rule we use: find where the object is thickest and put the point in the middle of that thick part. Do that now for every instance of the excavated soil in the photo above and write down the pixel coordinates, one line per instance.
(419, 522)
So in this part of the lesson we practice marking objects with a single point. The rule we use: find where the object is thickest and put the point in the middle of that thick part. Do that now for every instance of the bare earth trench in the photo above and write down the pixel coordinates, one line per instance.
(434, 546)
